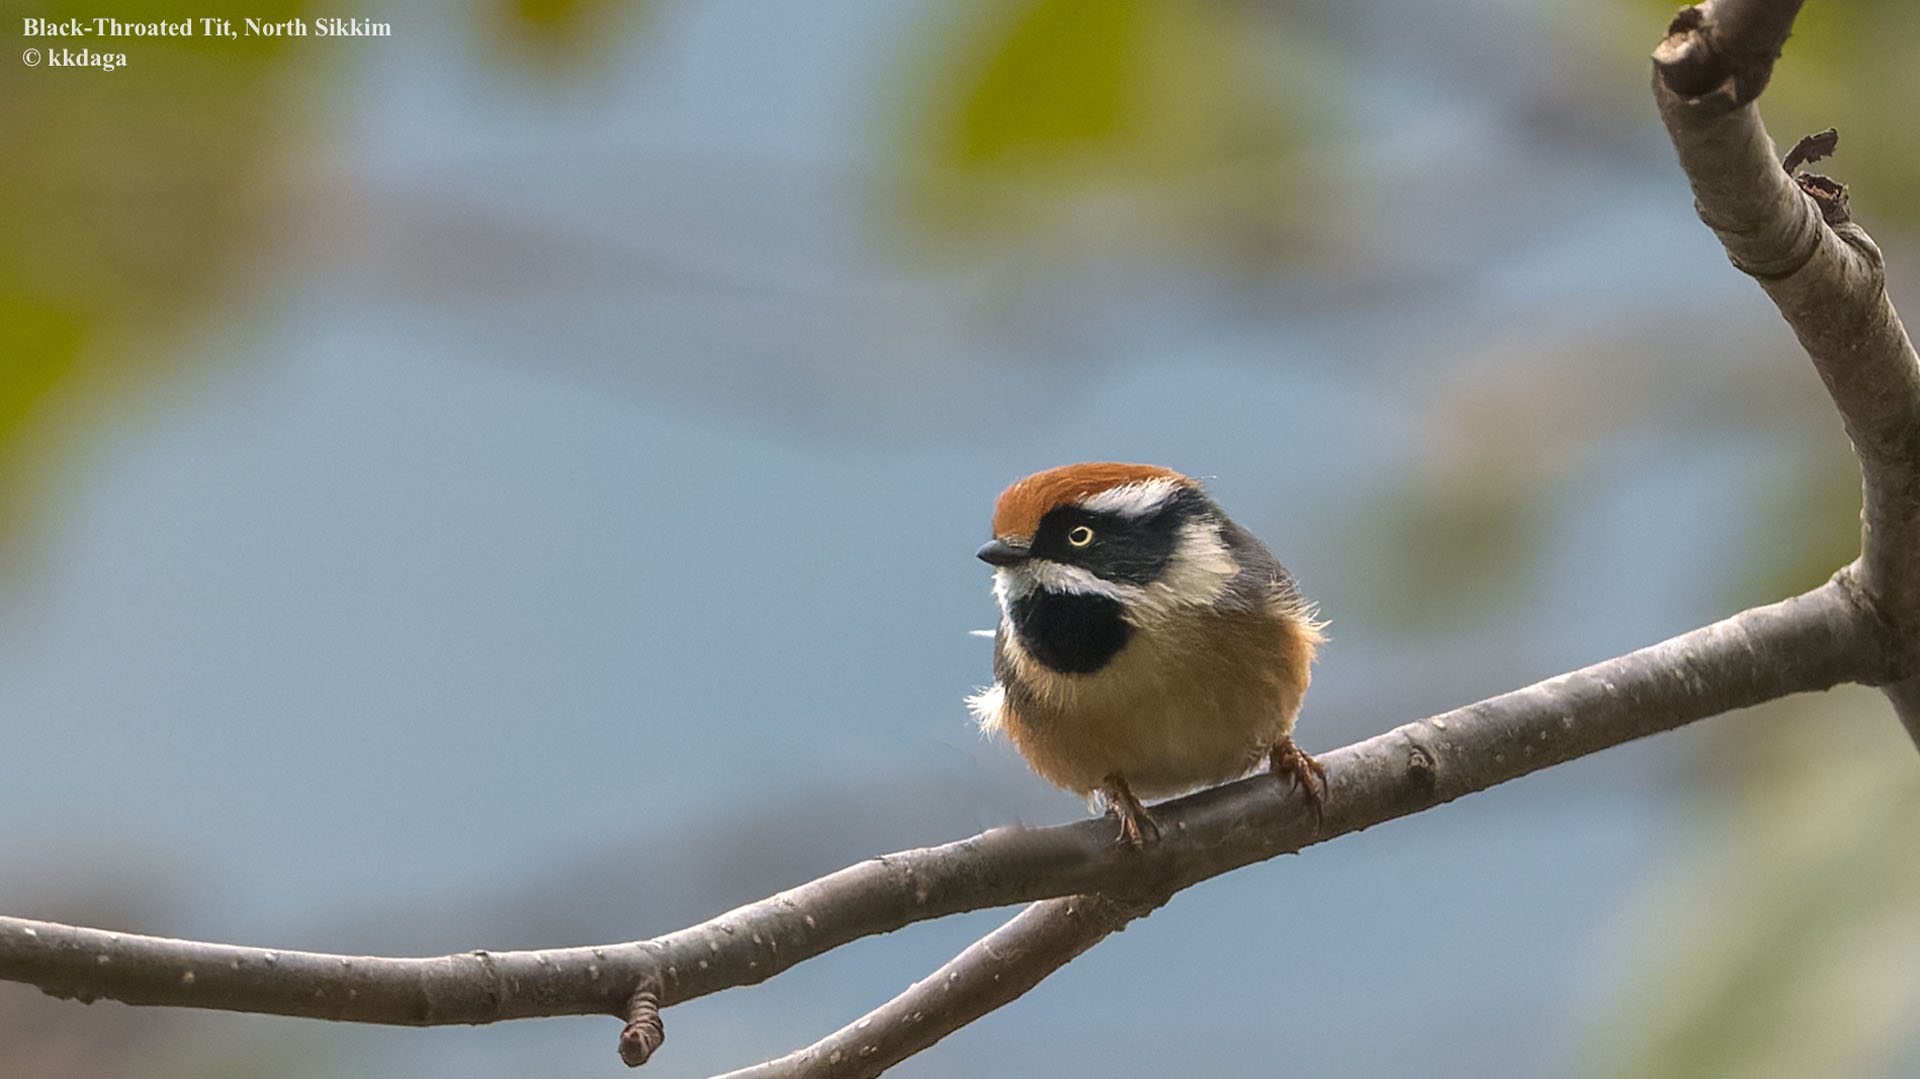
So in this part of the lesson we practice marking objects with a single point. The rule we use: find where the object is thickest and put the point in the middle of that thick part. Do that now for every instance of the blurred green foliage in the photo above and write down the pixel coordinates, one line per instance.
(135, 197)
(1162, 122)
(1462, 535)
(562, 37)
(1810, 528)
(1066, 78)
(40, 342)
(1481, 528)
(1780, 939)
(145, 193)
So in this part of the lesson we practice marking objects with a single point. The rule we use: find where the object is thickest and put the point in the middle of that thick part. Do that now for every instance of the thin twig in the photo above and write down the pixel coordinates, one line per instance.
(644, 1032)
(993, 971)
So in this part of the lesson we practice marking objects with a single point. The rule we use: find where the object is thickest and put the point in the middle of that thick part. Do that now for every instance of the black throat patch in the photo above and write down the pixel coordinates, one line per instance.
(1070, 632)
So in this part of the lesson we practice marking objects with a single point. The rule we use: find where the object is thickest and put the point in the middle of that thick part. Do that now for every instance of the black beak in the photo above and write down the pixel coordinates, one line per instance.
(1001, 553)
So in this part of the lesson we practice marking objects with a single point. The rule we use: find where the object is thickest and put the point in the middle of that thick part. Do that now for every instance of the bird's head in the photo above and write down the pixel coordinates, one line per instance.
(1144, 536)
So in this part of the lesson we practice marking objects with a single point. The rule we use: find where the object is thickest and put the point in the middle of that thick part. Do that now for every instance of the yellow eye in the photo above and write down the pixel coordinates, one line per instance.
(1080, 536)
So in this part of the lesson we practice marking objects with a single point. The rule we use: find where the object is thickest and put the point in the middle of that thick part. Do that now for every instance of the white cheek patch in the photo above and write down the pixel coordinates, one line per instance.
(1015, 582)
(1199, 570)
(1132, 499)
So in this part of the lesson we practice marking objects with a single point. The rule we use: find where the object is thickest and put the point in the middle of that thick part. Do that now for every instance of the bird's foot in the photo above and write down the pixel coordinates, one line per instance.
(1292, 764)
(1136, 824)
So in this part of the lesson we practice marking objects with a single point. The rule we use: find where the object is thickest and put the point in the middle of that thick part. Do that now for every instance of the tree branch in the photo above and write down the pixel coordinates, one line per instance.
(1807, 643)
(1829, 282)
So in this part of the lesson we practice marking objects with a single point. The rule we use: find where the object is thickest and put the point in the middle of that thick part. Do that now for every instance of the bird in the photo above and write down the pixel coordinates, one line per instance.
(1147, 645)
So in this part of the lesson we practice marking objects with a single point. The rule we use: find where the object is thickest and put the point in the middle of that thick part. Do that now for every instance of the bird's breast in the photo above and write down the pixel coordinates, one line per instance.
(1177, 705)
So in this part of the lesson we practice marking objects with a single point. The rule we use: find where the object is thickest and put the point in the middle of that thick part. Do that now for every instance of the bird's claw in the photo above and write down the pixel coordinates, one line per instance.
(1137, 827)
(1292, 764)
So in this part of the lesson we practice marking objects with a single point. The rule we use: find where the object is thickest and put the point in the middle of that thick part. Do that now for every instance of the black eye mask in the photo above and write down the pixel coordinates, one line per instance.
(1133, 550)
